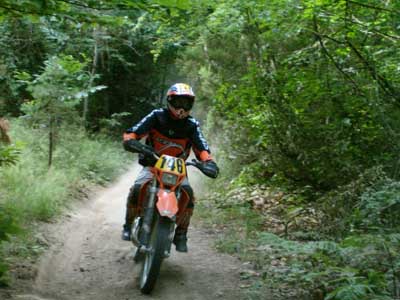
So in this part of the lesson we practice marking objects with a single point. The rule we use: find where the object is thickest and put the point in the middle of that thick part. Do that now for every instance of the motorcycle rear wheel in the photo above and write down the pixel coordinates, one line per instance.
(159, 244)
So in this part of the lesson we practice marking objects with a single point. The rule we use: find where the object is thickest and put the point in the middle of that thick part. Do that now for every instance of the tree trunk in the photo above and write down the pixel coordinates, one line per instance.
(92, 73)
(4, 128)
(51, 140)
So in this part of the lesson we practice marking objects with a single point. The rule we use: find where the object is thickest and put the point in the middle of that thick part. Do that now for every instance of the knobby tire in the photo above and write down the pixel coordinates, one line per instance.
(159, 243)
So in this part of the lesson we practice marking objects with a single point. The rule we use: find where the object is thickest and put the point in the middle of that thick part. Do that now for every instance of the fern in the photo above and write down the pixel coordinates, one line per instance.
(9, 155)
(354, 291)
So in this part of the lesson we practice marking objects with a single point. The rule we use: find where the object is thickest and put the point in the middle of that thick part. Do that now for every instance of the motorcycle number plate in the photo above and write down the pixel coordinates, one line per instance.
(171, 164)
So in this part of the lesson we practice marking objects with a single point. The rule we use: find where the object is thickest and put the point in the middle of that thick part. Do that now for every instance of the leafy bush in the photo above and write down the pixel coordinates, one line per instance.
(341, 207)
(8, 227)
(362, 262)
(36, 193)
(9, 155)
(56, 91)
(379, 206)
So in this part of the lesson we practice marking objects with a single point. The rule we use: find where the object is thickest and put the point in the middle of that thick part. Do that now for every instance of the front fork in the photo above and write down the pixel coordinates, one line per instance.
(142, 226)
(145, 231)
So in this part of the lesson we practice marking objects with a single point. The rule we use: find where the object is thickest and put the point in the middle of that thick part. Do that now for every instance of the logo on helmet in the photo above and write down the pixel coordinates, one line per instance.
(180, 89)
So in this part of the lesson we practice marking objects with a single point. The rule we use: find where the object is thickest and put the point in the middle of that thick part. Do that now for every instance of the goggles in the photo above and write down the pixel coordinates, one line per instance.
(184, 103)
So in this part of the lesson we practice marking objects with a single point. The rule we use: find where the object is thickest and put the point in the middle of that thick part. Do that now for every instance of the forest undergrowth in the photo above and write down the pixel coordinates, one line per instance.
(292, 248)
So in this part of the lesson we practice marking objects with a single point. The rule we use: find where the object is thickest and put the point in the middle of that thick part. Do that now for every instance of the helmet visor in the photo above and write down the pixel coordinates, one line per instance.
(185, 103)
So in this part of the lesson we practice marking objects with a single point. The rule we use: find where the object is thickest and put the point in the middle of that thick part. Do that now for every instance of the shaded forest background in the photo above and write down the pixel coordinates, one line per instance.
(299, 97)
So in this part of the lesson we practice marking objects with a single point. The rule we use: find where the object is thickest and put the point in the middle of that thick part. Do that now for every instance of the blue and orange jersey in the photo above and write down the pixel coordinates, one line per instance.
(170, 136)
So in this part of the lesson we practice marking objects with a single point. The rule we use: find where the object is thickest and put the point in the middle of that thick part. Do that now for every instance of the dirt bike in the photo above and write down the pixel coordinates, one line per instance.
(153, 231)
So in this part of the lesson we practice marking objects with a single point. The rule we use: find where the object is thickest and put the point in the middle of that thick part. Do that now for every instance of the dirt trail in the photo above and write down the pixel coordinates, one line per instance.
(88, 260)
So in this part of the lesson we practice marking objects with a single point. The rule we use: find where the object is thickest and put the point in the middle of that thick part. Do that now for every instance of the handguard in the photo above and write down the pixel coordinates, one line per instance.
(135, 146)
(209, 168)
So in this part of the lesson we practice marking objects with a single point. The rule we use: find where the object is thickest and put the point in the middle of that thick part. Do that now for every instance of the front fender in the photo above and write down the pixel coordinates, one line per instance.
(167, 203)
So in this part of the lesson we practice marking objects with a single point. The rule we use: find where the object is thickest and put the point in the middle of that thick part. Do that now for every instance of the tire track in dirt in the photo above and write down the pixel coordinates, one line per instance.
(88, 260)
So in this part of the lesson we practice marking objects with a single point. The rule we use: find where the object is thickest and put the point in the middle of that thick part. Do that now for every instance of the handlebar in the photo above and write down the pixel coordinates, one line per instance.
(137, 147)
(194, 163)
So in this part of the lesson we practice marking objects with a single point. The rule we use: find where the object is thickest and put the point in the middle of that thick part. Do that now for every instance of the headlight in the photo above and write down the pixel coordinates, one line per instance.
(169, 179)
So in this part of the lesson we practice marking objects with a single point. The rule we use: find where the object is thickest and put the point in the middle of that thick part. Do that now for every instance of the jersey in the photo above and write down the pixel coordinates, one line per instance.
(175, 137)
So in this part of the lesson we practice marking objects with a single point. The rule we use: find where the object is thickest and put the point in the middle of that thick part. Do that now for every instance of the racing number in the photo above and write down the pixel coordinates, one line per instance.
(180, 165)
(164, 160)
(172, 163)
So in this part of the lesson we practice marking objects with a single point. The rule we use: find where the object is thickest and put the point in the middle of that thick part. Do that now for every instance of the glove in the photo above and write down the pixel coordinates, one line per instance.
(135, 146)
(209, 168)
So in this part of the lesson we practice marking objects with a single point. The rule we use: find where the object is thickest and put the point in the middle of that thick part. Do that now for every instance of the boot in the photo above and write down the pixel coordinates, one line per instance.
(126, 232)
(180, 240)
(129, 216)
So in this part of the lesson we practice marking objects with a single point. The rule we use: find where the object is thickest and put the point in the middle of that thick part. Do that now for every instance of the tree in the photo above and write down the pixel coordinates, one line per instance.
(56, 93)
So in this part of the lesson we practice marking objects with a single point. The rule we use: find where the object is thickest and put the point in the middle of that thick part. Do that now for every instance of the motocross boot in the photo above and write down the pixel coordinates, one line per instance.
(180, 241)
(129, 216)
(126, 232)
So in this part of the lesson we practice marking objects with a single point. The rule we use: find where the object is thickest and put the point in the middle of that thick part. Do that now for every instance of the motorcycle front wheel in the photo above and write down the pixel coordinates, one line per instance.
(158, 246)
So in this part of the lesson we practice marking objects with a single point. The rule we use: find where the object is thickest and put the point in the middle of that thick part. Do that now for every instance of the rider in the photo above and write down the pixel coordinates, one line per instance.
(170, 131)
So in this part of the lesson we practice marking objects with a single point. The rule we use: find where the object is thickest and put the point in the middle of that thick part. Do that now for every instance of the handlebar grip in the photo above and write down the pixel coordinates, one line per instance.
(194, 163)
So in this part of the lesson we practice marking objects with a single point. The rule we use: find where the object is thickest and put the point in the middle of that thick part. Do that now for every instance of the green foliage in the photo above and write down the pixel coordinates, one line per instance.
(80, 158)
(94, 158)
(360, 267)
(114, 123)
(341, 207)
(9, 154)
(8, 227)
(299, 81)
(379, 206)
(60, 87)
(90, 11)
(357, 261)
(16, 53)
(7, 224)
(114, 39)
(303, 95)
(56, 92)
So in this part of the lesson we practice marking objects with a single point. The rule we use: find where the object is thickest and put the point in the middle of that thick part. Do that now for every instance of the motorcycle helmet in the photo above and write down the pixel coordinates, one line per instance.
(181, 96)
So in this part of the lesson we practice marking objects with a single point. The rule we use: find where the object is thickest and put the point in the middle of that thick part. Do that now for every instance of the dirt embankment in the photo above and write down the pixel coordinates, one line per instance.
(88, 260)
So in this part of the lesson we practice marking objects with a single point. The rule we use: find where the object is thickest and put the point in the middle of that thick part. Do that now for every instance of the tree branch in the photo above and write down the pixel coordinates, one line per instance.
(358, 22)
(19, 10)
(12, 9)
(382, 82)
(355, 21)
(76, 3)
(23, 11)
(318, 36)
(374, 7)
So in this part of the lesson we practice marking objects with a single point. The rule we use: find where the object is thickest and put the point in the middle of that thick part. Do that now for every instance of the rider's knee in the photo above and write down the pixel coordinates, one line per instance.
(189, 191)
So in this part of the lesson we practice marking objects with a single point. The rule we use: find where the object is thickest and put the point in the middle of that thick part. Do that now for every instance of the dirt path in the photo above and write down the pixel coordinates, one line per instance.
(88, 260)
